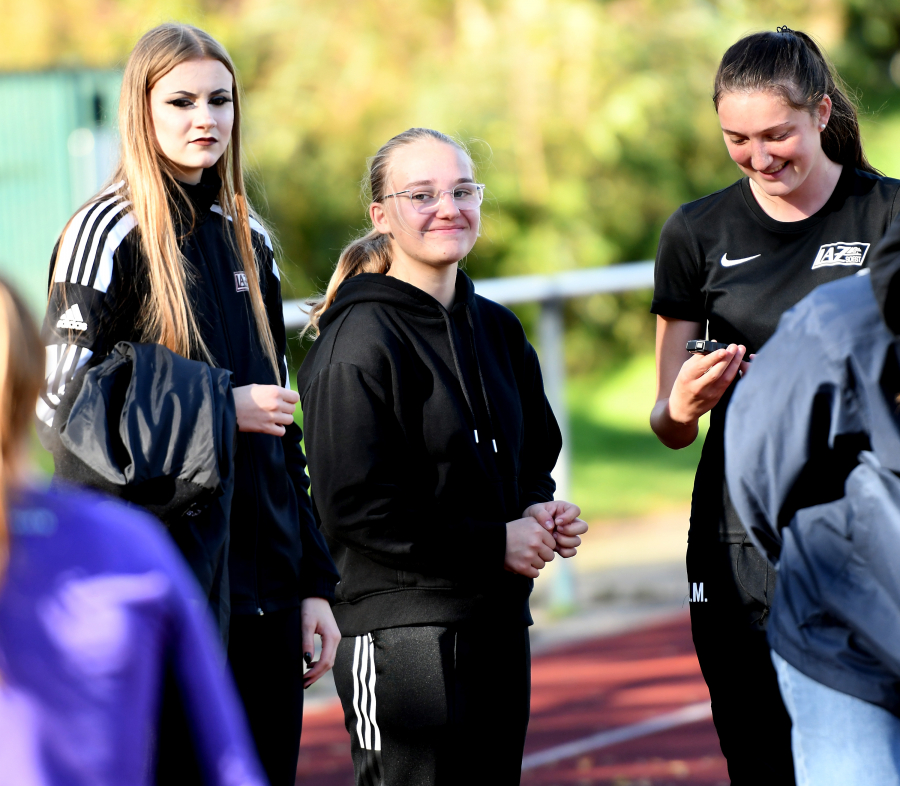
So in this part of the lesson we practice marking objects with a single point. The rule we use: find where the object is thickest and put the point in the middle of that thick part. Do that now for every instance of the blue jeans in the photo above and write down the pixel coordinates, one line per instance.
(837, 739)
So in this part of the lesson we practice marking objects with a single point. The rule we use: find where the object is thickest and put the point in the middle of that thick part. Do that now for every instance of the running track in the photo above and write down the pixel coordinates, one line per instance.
(631, 710)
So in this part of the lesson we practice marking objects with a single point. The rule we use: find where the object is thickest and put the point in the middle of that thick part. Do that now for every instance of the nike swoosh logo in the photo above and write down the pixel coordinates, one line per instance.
(726, 262)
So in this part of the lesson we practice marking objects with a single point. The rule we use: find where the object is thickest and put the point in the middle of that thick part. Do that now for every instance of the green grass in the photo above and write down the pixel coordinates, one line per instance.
(619, 467)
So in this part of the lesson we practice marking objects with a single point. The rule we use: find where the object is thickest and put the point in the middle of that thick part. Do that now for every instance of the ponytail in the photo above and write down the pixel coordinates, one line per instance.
(790, 64)
(371, 253)
(21, 376)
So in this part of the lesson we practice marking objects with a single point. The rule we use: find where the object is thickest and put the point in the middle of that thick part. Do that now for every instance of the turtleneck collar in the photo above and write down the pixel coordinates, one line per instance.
(195, 198)
(202, 195)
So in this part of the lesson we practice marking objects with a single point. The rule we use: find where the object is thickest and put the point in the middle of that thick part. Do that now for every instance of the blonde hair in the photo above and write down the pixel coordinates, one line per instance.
(371, 252)
(21, 377)
(145, 176)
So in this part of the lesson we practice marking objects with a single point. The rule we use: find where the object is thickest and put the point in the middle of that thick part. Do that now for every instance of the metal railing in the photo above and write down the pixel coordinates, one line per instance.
(549, 291)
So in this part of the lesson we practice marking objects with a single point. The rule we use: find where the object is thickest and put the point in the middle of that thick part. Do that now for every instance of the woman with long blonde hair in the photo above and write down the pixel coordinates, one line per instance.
(172, 255)
(93, 596)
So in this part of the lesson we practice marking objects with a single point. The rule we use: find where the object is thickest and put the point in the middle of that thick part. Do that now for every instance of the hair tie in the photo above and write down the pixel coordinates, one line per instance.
(784, 29)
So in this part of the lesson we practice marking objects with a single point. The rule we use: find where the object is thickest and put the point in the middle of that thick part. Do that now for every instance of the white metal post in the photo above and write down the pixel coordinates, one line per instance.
(551, 338)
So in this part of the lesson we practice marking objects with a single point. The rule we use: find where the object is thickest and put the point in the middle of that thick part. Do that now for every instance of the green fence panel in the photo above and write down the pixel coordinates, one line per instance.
(57, 147)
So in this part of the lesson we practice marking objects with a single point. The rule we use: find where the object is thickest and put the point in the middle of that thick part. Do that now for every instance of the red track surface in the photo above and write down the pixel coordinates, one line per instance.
(577, 691)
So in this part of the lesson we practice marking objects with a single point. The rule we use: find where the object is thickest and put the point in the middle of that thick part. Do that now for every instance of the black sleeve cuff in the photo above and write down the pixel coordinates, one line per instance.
(690, 312)
(318, 588)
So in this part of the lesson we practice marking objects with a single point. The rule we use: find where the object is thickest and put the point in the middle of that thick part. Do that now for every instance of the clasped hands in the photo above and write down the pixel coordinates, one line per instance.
(545, 530)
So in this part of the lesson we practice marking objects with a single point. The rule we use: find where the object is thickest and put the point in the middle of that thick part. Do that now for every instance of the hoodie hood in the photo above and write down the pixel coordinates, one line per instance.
(380, 288)
(390, 291)
(885, 277)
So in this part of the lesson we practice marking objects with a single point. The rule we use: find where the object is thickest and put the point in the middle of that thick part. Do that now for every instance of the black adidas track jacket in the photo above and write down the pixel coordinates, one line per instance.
(277, 556)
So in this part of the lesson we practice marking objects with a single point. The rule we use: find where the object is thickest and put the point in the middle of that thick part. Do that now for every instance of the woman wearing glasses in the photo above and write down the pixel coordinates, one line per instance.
(430, 444)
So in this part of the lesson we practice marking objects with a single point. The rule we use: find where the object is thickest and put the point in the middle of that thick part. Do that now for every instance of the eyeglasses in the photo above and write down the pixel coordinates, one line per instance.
(466, 196)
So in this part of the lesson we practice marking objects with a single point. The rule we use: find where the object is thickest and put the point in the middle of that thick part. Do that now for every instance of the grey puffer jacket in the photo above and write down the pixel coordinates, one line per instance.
(812, 444)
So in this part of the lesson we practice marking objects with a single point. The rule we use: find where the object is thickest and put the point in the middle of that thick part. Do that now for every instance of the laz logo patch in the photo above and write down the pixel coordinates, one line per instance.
(841, 254)
(240, 282)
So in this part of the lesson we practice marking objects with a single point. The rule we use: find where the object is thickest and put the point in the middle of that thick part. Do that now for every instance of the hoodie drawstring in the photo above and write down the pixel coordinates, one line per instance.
(487, 403)
(459, 374)
(462, 379)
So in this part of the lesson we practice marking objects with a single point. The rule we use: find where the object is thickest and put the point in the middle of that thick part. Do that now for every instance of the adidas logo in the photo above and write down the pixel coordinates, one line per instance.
(72, 320)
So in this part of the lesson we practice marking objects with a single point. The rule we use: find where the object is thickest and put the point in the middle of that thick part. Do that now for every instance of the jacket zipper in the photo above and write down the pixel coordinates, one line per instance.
(243, 437)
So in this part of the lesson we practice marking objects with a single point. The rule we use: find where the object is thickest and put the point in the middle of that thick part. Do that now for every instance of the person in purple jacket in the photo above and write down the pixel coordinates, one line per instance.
(96, 605)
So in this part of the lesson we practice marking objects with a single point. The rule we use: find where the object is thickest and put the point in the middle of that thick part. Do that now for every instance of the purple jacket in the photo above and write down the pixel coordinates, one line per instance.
(96, 602)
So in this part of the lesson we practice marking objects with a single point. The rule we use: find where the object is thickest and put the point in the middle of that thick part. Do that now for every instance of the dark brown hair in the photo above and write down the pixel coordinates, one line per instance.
(791, 65)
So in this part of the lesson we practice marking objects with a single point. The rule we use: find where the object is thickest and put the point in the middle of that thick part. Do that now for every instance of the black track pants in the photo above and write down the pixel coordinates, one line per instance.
(731, 587)
(265, 653)
(427, 706)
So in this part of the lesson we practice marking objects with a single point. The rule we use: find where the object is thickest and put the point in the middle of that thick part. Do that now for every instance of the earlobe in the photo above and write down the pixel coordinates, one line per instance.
(825, 107)
(379, 219)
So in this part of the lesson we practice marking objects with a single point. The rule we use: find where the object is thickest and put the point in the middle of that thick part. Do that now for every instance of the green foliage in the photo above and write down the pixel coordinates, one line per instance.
(590, 122)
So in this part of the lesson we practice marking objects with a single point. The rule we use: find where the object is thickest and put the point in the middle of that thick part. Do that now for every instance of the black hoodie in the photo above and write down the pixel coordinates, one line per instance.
(426, 430)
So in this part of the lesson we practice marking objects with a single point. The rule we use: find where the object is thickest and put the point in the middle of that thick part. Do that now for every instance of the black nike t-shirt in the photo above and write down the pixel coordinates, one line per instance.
(724, 262)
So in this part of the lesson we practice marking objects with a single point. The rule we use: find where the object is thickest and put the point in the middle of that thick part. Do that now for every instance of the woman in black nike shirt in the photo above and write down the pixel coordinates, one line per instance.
(807, 211)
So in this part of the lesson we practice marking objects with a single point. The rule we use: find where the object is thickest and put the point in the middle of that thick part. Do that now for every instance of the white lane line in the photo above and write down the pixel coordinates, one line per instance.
(690, 714)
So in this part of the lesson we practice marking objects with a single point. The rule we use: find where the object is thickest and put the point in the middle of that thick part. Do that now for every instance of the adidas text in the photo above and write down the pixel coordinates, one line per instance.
(697, 595)
(851, 254)
(72, 319)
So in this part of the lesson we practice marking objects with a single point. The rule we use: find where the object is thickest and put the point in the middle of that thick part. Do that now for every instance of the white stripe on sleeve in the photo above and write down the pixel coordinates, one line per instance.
(356, 661)
(62, 362)
(376, 744)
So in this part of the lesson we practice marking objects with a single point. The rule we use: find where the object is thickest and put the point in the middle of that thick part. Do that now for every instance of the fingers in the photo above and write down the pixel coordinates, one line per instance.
(325, 662)
(565, 513)
(265, 409)
(745, 364)
(576, 527)
(317, 618)
(715, 364)
(726, 368)
(564, 542)
(701, 365)
(546, 553)
(543, 513)
(308, 634)
(529, 546)
(544, 518)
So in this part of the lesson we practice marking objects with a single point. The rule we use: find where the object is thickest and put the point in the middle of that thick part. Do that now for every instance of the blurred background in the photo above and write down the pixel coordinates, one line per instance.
(590, 121)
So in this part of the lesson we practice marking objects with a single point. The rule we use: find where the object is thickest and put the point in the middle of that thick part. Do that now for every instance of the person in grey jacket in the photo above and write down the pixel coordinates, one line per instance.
(813, 444)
